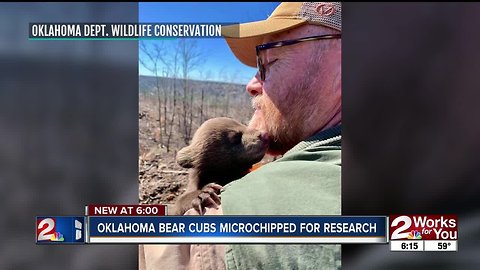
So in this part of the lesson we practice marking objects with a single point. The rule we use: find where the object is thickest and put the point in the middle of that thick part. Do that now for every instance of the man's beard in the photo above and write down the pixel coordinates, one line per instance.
(286, 126)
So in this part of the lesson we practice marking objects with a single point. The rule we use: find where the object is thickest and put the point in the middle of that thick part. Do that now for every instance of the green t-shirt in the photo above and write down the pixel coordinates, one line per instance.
(305, 181)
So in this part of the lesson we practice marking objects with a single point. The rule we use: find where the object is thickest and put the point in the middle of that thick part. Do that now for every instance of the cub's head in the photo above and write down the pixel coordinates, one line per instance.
(223, 144)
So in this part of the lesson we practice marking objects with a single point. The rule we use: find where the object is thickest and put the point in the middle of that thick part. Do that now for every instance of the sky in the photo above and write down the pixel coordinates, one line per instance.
(218, 59)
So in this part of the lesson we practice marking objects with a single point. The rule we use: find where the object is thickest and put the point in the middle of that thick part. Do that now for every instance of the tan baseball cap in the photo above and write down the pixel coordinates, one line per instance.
(242, 38)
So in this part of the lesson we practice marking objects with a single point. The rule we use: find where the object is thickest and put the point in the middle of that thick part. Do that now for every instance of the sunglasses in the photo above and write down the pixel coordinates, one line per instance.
(266, 46)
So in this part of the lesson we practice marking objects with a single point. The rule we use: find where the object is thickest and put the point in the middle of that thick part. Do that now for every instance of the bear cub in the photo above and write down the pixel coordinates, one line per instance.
(221, 150)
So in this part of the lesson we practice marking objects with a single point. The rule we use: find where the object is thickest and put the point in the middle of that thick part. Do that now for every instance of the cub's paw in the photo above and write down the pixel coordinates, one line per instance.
(208, 196)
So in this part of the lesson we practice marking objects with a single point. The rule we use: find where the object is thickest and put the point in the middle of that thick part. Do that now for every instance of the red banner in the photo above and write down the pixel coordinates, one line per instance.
(126, 210)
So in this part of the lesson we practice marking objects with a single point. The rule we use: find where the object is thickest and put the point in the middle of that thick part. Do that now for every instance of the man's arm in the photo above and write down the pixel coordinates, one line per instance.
(184, 256)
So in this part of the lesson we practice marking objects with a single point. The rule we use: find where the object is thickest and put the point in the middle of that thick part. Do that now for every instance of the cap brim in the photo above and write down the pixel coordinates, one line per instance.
(243, 38)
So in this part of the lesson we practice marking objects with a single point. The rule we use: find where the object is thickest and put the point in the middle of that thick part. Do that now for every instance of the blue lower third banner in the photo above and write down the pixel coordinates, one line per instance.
(237, 229)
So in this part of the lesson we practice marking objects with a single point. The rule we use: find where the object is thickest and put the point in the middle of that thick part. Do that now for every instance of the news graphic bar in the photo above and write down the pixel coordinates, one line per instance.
(237, 229)
(423, 232)
(149, 224)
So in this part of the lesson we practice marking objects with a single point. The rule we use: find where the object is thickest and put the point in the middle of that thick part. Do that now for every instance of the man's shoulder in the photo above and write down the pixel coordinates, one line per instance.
(315, 159)
(297, 168)
(323, 154)
(293, 185)
(313, 152)
(284, 188)
(306, 180)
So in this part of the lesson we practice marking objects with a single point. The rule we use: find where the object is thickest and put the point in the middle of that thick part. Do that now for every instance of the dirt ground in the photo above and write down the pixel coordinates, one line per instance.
(161, 179)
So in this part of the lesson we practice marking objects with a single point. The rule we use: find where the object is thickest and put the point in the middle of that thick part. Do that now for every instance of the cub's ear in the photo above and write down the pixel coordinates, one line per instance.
(184, 158)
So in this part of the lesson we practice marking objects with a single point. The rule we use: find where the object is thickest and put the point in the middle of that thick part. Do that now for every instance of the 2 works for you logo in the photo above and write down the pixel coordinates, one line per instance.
(423, 227)
(60, 230)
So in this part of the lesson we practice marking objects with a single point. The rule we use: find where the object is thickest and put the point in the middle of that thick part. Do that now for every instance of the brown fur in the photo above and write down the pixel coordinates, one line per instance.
(222, 150)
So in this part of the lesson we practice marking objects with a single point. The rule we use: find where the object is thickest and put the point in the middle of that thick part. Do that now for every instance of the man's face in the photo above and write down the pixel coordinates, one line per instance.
(301, 94)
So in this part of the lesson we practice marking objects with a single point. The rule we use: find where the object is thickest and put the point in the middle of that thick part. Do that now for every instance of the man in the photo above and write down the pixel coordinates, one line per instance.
(296, 95)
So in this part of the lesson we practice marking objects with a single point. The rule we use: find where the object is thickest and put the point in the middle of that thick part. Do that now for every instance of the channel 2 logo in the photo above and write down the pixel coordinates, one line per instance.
(60, 230)
(423, 227)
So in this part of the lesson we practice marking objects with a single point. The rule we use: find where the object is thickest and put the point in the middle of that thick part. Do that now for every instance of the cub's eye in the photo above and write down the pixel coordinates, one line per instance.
(235, 137)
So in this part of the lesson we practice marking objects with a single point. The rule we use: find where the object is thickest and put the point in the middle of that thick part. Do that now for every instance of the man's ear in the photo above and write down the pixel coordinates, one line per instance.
(184, 157)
